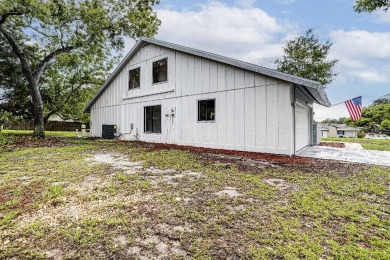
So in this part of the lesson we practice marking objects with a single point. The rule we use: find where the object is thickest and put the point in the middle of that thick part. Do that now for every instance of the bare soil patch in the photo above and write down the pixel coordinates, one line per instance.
(280, 184)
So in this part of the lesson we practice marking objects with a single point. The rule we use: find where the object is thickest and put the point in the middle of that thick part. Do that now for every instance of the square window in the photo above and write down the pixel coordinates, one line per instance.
(152, 117)
(206, 110)
(135, 78)
(160, 71)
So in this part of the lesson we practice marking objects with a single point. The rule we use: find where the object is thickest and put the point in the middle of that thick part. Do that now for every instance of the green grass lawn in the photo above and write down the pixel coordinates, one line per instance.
(369, 144)
(108, 200)
(48, 133)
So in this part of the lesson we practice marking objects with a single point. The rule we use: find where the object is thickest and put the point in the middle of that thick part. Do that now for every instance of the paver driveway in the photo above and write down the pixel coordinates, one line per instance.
(351, 153)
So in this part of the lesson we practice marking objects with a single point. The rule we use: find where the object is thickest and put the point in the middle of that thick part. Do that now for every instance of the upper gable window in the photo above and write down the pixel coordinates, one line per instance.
(135, 78)
(160, 71)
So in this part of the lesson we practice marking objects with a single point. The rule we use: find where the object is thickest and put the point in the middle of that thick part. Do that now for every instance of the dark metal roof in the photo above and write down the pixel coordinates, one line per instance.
(315, 88)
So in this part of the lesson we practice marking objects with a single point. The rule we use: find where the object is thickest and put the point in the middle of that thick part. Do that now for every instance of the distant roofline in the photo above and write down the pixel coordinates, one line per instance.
(315, 88)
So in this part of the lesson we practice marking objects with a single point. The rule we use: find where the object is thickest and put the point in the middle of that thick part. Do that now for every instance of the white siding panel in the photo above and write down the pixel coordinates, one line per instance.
(239, 116)
(213, 77)
(229, 78)
(272, 119)
(191, 75)
(192, 120)
(250, 119)
(284, 116)
(220, 117)
(178, 74)
(198, 75)
(185, 119)
(261, 118)
(184, 75)
(230, 138)
(221, 77)
(205, 77)
(239, 78)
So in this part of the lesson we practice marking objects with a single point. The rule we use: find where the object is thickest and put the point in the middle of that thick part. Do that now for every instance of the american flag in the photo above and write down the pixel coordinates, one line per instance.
(354, 107)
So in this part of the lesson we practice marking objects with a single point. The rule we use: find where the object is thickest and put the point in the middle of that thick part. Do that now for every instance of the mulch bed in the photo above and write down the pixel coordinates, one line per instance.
(332, 144)
(284, 159)
(305, 164)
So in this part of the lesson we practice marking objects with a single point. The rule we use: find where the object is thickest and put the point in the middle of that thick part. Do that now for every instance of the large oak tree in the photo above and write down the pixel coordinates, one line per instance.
(58, 27)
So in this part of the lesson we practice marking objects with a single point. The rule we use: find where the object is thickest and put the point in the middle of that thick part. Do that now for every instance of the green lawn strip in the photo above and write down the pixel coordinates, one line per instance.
(368, 144)
(47, 133)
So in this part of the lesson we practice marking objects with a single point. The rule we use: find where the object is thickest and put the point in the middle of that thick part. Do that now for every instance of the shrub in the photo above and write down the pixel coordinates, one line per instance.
(4, 139)
(361, 134)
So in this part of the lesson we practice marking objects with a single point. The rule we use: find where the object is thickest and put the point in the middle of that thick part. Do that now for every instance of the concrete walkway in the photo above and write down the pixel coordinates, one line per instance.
(351, 153)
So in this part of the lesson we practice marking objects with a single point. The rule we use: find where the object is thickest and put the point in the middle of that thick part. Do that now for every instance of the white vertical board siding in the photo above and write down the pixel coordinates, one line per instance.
(230, 120)
(239, 119)
(253, 112)
(285, 121)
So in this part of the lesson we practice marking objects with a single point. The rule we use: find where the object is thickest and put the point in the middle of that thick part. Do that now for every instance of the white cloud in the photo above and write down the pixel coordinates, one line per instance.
(245, 33)
(370, 76)
(361, 44)
(363, 56)
(381, 17)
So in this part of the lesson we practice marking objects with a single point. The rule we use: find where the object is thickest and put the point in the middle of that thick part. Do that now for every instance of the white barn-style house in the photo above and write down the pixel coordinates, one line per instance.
(167, 93)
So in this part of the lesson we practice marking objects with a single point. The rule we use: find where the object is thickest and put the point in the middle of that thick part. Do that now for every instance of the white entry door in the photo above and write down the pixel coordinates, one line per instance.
(301, 126)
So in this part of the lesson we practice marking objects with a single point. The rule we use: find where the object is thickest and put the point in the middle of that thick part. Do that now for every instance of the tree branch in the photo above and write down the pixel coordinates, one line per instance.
(6, 15)
(43, 64)
(38, 31)
(26, 68)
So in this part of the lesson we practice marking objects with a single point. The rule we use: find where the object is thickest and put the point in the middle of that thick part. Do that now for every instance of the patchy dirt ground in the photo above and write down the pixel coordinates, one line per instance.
(111, 200)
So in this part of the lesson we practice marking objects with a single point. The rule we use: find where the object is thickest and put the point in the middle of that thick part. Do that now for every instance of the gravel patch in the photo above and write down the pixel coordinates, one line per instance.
(351, 153)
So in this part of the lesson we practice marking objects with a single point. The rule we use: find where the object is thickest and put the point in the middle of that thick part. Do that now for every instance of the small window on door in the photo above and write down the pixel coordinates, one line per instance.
(206, 110)
(135, 78)
(160, 71)
(152, 116)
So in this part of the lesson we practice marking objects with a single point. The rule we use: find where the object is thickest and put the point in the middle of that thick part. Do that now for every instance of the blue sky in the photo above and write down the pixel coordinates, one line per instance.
(257, 30)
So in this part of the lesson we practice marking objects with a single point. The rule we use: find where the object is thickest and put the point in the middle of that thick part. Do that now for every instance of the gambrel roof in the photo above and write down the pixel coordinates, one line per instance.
(314, 89)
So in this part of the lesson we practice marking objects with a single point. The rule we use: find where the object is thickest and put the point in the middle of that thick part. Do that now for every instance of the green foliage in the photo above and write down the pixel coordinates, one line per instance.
(361, 134)
(382, 100)
(371, 5)
(385, 125)
(70, 83)
(306, 57)
(341, 120)
(55, 43)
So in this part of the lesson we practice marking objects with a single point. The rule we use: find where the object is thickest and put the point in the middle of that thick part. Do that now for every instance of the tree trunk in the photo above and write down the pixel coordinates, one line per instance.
(39, 125)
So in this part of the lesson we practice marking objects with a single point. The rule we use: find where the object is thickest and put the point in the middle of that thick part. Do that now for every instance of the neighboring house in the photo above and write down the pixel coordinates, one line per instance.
(325, 130)
(336, 130)
(167, 93)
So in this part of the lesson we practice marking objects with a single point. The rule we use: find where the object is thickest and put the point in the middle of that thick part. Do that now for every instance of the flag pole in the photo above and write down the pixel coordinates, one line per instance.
(343, 102)
(337, 103)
